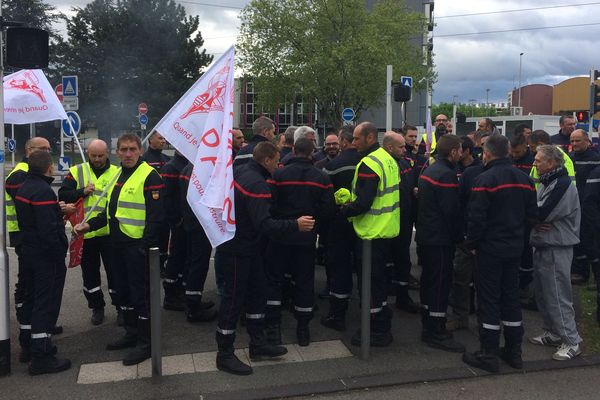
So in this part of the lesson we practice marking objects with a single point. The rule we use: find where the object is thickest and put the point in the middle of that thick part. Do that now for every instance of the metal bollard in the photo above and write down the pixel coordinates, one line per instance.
(365, 301)
(155, 311)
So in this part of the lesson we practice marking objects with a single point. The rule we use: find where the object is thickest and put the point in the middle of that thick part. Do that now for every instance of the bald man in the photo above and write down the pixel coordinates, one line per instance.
(87, 181)
(395, 144)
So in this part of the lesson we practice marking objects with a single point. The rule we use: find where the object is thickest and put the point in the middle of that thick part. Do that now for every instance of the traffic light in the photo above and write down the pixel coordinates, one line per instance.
(582, 116)
(595, 98)
(401, 93)
(27, 48)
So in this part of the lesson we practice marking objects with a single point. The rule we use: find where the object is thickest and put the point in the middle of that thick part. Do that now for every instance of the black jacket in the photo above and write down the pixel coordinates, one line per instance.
(525, 163)
(460, 168)
(245, 153)
(252, 211)
(590, 211)
(171, 195)
(153, 188)
(439, 216)
(466, 183)
(301, 189)
(561, 140)
(367, 182)
(409, 175)
(341, 169)
(502, 206)
(155, 158)
(40, 219)
(190, 221)
(69, 193)
(584, 163)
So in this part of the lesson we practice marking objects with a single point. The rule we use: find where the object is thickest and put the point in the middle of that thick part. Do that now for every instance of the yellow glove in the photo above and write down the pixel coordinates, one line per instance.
(342, 196)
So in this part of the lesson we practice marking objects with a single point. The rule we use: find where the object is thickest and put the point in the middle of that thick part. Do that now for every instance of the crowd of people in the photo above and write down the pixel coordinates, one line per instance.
(496, 219)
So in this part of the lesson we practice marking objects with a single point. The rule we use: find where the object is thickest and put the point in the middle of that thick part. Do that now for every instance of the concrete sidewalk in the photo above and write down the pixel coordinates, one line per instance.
(330, 364)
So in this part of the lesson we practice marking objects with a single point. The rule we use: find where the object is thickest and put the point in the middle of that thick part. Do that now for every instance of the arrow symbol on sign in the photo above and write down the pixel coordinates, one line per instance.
(63, 164)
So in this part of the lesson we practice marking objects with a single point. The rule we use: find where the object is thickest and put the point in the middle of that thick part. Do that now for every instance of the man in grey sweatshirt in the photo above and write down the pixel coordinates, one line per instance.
(553, 240)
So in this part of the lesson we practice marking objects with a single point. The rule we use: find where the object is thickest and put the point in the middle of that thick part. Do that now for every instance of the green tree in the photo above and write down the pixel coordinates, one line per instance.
(33, 13)
(131, 51)
(332, 51)
(468, 109)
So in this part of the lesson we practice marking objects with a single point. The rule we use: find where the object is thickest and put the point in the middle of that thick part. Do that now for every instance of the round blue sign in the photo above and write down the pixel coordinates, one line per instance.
(348, 114)
(143, 119)
(75, 123)
(12, 145)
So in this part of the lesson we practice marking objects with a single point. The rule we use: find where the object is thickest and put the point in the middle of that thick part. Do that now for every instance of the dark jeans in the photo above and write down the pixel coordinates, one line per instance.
(94, 249)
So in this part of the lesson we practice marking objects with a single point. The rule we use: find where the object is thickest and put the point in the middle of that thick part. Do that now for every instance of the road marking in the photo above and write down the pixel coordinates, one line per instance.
(115, 371)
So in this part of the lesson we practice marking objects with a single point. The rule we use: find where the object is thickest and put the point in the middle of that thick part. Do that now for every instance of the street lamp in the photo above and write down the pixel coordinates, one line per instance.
(487, 97)
(520, 65)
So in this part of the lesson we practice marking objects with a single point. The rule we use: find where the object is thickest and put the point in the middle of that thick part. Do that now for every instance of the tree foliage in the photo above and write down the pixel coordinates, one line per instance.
(131, 51)
(333, 51)
(469, 110)
(33, 13)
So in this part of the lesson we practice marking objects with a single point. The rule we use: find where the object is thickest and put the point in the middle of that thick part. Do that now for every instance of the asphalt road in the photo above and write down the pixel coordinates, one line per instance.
(571, 384)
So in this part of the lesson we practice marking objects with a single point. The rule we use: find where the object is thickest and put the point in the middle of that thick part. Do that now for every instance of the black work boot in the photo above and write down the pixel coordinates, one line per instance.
(142, 350)
(196, 313)
(131, 332)
(227, 361)
(485, 360)
(48, 364)
(97, 316)
(336, 319)
(512, 356)
(259, 347)
(172, 301)
(273, 334)
(43, 360)
(303, 333)
(438, 337)
(404, 302)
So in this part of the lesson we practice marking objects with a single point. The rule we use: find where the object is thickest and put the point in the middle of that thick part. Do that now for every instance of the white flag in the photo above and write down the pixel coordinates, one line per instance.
(29, 98)
(199, 126)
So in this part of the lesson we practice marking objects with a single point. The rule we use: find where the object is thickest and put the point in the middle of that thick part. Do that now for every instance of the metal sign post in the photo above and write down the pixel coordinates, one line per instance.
(365, 301)
(4, 276)
(155, 309)
(388, 99)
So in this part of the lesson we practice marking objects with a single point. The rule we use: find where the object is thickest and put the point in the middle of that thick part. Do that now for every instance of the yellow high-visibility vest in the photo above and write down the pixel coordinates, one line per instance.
(12, 225)
(382, 220)
(131, 204)
(83, 174)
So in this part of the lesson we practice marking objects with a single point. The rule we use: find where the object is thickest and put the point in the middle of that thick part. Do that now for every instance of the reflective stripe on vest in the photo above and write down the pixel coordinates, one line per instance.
(568, 166)
(83, 174)
(131, 204)
(383, 219)
(12, 225)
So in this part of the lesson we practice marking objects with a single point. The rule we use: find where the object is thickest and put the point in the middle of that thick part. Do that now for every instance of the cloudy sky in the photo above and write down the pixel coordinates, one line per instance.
(467, 65)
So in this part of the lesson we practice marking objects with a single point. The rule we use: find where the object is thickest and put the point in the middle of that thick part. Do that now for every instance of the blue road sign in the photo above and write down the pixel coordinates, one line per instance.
(595, 123)
(12, 145)
(406, 81)
(70, 87)
(75, 122)
(143, 119)
(348, 114)
(64, 163)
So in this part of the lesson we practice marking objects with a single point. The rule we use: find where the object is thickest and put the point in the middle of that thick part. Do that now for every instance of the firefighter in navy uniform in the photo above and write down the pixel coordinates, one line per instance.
(197, 256)
(501, 206)
(585, 159)
(14, 180)
(395, 144)
(241, 260)
(134, 215)
(438, 232)
(174, 269)
(263, 130)
(87, 181)
(155, 158)
(297, 189)
(375, 211)
(342, 238)
(43, 246)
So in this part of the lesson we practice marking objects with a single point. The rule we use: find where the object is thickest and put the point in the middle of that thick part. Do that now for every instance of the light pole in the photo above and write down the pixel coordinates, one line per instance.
(487, 98)
(520, 65)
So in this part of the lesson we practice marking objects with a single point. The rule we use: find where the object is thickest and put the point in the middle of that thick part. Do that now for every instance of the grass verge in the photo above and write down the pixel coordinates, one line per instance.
(588, 326)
